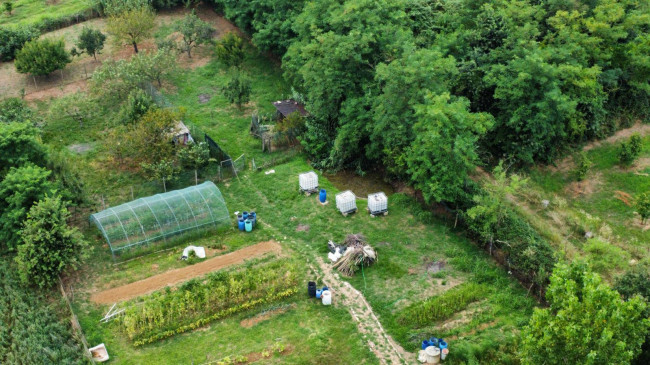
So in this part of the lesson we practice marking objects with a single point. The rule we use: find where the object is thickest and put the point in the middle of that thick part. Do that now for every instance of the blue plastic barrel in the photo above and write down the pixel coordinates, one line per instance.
(442, 344)
(245, 215)
(323, 196)
(425, 344)
(253, 216)
(239, 216)
(318, 293)
(433, 341)
(241, 224)
(248, 225)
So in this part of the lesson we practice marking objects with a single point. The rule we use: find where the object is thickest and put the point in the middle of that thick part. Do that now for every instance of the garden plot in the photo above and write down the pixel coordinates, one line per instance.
(176, 276)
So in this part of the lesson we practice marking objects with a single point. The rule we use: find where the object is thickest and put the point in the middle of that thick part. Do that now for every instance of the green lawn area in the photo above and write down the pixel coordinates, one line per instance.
(407, 241)
(34, 12)
(602, 204)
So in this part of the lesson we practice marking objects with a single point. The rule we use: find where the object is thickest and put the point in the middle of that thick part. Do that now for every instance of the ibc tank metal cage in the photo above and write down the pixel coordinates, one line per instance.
(346, 202)
(377, 203)
(161, 216)
(308, 182)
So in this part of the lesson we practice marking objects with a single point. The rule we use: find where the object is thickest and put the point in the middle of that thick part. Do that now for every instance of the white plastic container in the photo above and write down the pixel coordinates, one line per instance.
(444, 353)
(308, 182)
(346, 202)
(326, 296)
(99, 353)
(432, 355)
(378, 203)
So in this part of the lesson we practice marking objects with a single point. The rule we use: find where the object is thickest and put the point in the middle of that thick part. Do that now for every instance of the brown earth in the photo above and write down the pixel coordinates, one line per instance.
(176, 276)
(250, 322)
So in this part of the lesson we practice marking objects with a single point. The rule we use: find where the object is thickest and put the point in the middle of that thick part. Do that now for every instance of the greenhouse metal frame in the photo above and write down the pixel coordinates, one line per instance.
(160, 216)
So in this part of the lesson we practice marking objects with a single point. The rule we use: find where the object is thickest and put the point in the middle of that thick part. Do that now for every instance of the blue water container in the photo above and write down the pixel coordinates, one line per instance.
(248, 224)
(425, 344)
(253, 216)
(318, 293)
(325, 288)
(239, 216)
(323, 196)
(434, 341)
(245, 215)
(442, 344)
(241, 224)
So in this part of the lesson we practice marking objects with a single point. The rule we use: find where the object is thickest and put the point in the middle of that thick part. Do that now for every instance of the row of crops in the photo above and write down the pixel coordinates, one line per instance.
(203, 300)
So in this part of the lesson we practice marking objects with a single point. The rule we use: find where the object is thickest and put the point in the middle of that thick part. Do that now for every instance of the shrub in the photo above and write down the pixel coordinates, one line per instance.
(642, 205)
(49, 245)
(238, 90)
(230, 50)
(137, 104)
(14, 110)
(91, 41)
(12, 40)
(42, 57)
(631, 150)
(583, 164)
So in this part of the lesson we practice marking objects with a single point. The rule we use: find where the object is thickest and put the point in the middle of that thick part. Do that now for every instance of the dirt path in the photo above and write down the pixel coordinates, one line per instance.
(176, 276)
(642, 129)
(381, 344)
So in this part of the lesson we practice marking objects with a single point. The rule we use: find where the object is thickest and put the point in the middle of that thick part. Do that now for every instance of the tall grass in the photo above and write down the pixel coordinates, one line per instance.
(443, 306)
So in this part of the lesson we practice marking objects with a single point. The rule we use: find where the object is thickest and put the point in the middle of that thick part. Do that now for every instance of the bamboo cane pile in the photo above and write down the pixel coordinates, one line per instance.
(358, 253)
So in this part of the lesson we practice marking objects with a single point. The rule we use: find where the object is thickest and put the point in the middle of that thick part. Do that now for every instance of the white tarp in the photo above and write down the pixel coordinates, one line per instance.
(198, 251)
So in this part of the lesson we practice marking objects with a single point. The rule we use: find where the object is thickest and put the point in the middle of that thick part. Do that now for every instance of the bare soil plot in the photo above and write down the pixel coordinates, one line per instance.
(176, 276)
(74, 76)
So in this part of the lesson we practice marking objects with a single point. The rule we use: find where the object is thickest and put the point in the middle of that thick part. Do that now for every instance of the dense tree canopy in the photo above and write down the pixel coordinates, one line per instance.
(587, 322)
(42, 57)
(19, 144)
(49, 246)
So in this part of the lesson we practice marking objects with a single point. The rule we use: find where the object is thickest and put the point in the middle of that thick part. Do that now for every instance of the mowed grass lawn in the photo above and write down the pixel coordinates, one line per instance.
(33, 12)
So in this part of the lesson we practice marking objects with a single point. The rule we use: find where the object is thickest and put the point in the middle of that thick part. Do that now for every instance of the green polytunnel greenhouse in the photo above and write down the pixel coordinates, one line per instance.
(160, 216)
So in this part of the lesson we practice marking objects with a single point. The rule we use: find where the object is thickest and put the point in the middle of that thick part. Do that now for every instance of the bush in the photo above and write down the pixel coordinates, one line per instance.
(137, 104)
(631, 150)
(19, 145)
(583, 164)
(238, 90)
(14, 110)
(42, 57)
(12, 40)
(49, 245)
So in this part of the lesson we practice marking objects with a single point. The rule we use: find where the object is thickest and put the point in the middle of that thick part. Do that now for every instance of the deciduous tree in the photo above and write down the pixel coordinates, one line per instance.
(19, 190)
(132, 26)
(42, 57)
(49, 246)
(164, 170)
(90, 41)
(194, 156)
(238, 90)
(195, 32)
(586, 323)
(230, 50)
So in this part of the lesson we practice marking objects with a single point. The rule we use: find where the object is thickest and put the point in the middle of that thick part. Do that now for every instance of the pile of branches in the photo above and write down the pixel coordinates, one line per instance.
(358, 253)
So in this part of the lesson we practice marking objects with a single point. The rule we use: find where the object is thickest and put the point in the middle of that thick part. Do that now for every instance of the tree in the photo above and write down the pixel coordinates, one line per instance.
(164, 170)
(150, 139)
(132, 26)
(195, 156)
(78, 108)
(586, 323)
(49, 245)
(154, 66)
(19, 190)
(194, 31)
(19, 145)
(14, 110)
(137, 104)
(91, 41)
(636, 281)
(491, 207)
(13, 39)
(444, 150)
(642, 206)
(42, 57)
(583, 164)
(238, 90)
(230, 50)
(631, 150)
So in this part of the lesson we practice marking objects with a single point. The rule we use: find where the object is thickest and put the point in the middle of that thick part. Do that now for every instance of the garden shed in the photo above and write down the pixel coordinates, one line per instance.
(161, 216)
(285, 107)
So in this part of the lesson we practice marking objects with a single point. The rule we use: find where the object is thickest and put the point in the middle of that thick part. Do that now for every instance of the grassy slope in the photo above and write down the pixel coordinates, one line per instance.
(33, 12)
(597, 210)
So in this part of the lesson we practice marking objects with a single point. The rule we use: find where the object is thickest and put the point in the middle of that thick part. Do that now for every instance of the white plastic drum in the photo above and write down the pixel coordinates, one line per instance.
(326, 297)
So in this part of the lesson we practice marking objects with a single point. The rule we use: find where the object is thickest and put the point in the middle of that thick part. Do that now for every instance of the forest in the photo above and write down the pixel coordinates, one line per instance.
(513, 134)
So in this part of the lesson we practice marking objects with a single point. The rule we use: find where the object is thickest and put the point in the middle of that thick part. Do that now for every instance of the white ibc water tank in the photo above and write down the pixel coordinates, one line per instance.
(308, 181)
(377, 203)
(346, 202)
(326, 296)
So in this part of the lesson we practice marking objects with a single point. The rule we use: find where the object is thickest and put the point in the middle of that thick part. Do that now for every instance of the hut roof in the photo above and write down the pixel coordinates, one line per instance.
(286, 107)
